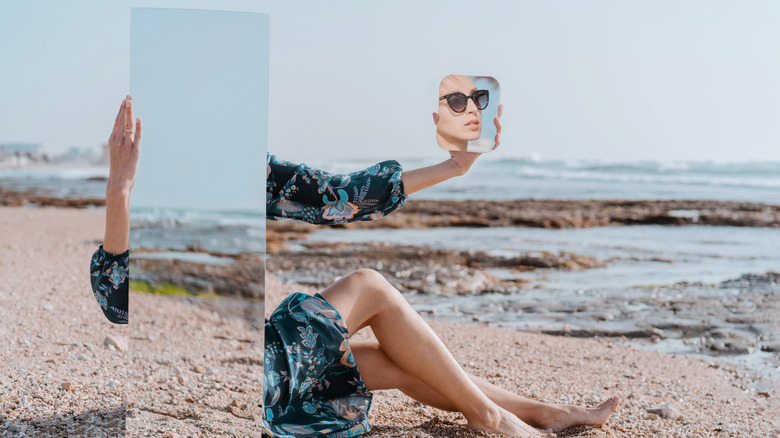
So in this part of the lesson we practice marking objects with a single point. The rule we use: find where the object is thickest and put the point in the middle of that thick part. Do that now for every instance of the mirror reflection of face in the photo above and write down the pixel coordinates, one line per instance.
(454, 130)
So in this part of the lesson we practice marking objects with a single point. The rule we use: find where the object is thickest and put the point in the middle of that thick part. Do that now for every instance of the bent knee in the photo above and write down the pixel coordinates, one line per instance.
(368, 275)
(374, 284)
(368, 279)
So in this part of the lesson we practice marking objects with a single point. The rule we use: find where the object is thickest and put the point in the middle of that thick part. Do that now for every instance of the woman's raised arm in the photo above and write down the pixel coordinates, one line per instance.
(301, 192)
(109, 265)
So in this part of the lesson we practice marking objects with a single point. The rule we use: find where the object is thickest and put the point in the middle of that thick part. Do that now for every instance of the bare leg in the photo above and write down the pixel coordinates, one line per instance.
(366, 298)
(378, 371)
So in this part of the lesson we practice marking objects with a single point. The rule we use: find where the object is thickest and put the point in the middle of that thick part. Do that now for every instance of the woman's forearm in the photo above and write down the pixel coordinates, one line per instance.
(117, 237)
(418, 179)
(124, 148)
(459, 163)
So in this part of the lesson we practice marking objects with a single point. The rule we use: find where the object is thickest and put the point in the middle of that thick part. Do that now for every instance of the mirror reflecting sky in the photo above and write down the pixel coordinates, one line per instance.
(199, 81)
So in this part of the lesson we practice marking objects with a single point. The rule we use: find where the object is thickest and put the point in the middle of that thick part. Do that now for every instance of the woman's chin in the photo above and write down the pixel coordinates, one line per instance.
(452, 144)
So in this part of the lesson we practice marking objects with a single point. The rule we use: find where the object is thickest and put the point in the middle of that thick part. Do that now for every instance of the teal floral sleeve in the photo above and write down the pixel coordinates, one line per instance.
(301, 192)
(109, 278)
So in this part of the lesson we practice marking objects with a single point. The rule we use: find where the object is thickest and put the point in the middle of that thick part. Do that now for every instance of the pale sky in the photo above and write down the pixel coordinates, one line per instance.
(609, 80)
(205, 129)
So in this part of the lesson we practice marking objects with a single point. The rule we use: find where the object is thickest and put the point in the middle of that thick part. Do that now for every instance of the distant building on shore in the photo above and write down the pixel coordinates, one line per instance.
(32, 154)
(76, 154)
(21, 154)
(20, 148)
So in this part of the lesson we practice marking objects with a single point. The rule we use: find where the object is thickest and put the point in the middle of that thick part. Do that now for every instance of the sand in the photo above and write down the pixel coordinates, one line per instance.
(198, 371)
(711, 399)
(193, 367)
(56, 376)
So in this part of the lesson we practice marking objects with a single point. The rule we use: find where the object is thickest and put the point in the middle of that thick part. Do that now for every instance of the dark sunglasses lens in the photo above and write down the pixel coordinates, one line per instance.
(457, 102)
(481, 99)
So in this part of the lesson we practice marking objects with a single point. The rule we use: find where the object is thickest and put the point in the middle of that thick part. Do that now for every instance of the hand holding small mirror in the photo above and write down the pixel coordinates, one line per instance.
(465, 104)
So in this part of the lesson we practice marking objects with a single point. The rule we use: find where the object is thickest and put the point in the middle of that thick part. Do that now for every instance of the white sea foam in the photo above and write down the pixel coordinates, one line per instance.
(47, 173)
(733, 180)
(163, 217)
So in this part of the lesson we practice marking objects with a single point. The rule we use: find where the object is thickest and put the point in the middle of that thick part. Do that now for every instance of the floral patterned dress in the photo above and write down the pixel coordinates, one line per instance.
(312, 387)
(109, 277)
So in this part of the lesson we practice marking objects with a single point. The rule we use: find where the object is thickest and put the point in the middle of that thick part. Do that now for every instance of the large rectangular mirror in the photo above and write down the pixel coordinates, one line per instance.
(199, 83)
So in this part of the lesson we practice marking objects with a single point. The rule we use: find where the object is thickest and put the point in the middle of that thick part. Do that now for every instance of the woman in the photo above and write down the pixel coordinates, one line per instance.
(312, 383)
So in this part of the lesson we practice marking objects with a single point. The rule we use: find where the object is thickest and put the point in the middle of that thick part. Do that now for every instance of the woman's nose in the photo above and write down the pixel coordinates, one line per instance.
(471, 107)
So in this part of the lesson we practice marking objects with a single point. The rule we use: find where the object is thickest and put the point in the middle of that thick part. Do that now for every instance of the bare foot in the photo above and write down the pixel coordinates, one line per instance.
(511, 426)
(570, 416)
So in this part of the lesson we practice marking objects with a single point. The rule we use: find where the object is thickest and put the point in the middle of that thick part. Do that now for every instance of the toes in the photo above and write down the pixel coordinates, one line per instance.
(610, 402)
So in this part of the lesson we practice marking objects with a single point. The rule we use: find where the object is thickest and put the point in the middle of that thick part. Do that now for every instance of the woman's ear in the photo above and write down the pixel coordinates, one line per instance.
(436, 119)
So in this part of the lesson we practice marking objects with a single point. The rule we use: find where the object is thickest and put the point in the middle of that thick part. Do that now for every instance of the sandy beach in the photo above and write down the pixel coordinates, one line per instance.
(189, 366)
(182, 367)
(59, 377)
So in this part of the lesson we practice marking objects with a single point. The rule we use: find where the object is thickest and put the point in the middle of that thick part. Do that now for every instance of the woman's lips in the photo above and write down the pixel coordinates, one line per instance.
(473, 125)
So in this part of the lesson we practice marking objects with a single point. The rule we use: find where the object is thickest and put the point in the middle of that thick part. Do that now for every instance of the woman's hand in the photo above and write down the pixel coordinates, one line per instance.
(464, 160)
(458, 164)
(124, 147)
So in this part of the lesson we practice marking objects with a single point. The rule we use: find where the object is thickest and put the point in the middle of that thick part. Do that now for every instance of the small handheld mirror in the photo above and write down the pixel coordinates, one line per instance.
(468, 107)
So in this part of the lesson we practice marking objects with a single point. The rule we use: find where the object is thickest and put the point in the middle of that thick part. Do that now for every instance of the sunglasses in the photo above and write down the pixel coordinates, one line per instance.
(459, 101)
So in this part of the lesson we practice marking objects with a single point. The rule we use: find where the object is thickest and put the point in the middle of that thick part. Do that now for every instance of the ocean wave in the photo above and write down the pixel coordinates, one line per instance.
(51, 173)
(622, 175)
(158, 216)
(755, 168)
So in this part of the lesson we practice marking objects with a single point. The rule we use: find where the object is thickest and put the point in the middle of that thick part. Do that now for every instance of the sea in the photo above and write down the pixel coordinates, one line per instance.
(694, 260)
(530, 178)
(174, 232)
(233, 232)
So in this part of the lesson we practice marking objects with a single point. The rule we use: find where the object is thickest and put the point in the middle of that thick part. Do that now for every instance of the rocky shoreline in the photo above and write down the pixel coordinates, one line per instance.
(418, 269)
(549, 214)
(22, 198)
(558, 214)
(514, 213)
(735, 318)
(243, 277)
